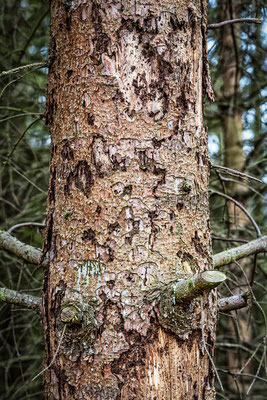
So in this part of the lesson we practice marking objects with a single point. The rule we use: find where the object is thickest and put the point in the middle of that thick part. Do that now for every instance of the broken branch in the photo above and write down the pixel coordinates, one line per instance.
(22, 250)
(21, 299)
(235, 302)
(188, 289)
(185, 290)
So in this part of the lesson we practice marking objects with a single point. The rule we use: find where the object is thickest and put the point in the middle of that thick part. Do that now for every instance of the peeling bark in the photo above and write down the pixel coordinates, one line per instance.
(129, 199)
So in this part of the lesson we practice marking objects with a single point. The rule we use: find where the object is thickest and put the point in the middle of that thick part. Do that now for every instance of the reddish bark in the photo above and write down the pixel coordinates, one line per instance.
(128, 200)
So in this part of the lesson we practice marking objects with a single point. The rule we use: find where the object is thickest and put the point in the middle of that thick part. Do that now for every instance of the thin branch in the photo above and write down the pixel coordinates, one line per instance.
(228, 256)
(55, 355)
(234, 302)
(22, 68)
(235, 21)
(33, 33)
(21, 299)
(234, 172)
(22, 250)
(22, 115)
(257, 229)
(225, 239)
(226, 371)
(25, 224)
(18, 141)
(27, 179)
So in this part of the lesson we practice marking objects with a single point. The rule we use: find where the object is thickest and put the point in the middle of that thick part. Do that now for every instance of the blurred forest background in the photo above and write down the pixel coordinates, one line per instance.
(237, 141)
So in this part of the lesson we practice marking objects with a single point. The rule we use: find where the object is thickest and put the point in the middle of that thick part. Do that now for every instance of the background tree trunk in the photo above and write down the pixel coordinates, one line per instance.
(128, 201)
(231, 113)
(234, 158)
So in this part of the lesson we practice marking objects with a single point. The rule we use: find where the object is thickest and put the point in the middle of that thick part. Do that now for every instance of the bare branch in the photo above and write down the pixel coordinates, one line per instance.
(22, 250)
(39, 224)
(23, 300)
(235, 21)
(234, 172)
(235, 302)
(22, 68)
(226, 239)
(228, 256)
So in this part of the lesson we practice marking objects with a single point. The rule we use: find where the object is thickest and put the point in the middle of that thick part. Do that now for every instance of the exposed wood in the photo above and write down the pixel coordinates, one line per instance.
(187, 289)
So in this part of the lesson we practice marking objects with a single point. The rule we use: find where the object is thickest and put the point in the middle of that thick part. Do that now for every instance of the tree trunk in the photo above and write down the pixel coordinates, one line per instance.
(230, 108)
(234, 158)
(128, 201)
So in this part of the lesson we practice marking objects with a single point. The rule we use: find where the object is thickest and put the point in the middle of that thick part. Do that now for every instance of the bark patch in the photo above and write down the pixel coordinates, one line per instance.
(141, 72)
(81, 177)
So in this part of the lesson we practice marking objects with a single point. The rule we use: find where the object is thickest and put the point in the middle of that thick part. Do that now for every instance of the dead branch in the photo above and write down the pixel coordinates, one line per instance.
(228, 256)
(234, 302)
(235, 21)
(22, 250)
(21, 299)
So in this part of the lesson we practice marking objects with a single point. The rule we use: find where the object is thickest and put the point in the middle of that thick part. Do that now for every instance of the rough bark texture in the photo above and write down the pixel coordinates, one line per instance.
(128, 200)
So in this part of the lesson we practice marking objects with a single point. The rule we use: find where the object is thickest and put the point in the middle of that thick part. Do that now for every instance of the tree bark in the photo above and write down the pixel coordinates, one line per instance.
(128, 201)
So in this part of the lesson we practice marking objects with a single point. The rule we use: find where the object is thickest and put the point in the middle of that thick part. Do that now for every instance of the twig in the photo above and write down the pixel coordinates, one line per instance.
(234, 302)
(22, 250)
(205, 347)
(242, 374)
(241, 208)
(22, 115)
(224, 239)
(25, 224)
(27, 179)
(234, 172)
(23, 300)
(32, 34)
(228, 256)
(17, 142)
(235, 21)
(253, 355)
(21, 68)
(55, 355)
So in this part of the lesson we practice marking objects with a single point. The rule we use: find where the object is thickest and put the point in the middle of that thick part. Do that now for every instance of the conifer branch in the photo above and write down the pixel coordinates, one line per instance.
(234, 302)
(235, 21)
(21, 299)
(185, 290)
(228, 256)
(22, 68)
(22, 250)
